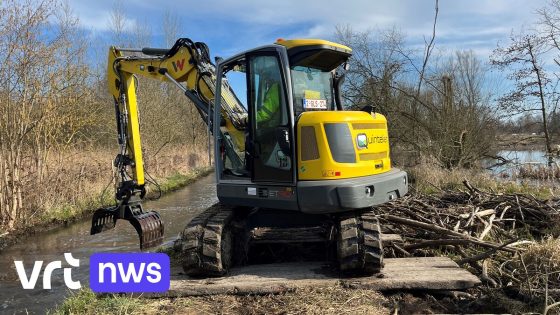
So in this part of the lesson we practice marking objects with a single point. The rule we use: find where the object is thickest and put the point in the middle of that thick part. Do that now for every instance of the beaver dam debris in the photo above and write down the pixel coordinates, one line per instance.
(509, 240)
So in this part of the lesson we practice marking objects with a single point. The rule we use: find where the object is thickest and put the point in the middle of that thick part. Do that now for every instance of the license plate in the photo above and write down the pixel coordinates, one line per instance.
(314, 104)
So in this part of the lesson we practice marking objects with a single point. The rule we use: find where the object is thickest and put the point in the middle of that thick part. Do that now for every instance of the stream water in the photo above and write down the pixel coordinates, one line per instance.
(176, 209)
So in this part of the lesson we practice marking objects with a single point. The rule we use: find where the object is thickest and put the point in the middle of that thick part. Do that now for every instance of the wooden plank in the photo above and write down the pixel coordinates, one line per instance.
(425, 273)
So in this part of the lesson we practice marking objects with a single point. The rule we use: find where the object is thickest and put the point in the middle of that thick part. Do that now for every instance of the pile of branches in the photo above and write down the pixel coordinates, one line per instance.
(508, 240)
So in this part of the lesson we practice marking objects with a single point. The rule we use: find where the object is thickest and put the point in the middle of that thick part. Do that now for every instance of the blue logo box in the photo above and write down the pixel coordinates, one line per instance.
(129, 272)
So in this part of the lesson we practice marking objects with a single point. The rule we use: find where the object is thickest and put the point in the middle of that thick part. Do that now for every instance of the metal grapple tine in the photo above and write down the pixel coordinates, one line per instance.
(103, 219)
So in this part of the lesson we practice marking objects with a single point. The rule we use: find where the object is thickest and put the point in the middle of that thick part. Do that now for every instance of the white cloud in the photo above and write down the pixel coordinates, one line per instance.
(476, 24)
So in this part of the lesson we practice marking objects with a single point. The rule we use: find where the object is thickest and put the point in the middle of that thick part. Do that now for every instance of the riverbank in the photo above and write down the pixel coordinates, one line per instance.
(430, 179)
(64, 215)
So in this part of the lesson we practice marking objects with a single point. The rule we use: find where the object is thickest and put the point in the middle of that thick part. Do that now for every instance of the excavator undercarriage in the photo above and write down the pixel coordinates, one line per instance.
(222, 236)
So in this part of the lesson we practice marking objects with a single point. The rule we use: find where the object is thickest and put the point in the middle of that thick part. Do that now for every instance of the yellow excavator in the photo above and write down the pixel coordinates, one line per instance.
(291, 164)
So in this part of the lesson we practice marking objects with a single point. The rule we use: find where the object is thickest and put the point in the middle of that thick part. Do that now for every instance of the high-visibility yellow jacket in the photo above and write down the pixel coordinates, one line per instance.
(270, 105)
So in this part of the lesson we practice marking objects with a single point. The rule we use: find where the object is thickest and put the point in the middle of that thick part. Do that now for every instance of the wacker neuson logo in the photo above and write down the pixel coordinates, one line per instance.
(129, 272)
(109, 272)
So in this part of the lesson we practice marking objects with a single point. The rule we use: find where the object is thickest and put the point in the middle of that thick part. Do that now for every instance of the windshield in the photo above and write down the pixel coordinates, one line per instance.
(312, 89)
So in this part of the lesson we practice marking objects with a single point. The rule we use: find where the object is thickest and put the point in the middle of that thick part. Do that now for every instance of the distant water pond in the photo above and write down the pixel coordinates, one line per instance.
(517, 159)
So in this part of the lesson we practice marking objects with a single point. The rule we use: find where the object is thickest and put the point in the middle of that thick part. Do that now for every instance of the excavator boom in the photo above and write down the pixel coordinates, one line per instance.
(187, 64)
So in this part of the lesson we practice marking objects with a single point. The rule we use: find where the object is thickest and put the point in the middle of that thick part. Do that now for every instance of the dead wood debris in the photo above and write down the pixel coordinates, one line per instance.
(509, 240)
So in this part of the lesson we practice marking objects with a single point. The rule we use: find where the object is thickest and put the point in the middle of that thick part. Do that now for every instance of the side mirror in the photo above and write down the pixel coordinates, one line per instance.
(283, 138)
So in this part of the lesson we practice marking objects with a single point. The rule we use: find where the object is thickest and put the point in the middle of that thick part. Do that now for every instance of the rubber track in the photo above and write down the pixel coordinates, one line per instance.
(359, 245)
(206, 243)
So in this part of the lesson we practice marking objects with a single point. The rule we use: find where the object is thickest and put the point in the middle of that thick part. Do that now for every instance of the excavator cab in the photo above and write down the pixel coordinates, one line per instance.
(280, 87)
(302, 151)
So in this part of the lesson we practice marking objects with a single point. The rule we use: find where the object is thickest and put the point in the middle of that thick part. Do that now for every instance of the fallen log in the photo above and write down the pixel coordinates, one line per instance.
(441, 230)
(436, 243)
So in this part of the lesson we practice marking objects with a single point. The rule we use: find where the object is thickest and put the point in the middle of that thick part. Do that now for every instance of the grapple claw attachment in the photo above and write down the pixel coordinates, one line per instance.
(148, 225)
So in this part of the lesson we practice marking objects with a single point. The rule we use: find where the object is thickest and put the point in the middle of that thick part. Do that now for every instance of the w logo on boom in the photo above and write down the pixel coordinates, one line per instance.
(178, 65)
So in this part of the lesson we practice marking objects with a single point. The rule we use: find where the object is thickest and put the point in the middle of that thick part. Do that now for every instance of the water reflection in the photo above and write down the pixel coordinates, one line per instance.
(517, 158)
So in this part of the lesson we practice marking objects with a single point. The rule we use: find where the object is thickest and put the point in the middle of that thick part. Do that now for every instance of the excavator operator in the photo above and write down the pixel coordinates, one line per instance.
(269, 116)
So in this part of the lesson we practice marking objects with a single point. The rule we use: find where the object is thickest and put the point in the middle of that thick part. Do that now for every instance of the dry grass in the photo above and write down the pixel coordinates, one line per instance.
(538, 268)
(427, 178)
(539, 172)
(75, 183)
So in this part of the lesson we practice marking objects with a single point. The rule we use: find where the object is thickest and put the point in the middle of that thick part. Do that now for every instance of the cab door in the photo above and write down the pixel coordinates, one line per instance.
(272, 151)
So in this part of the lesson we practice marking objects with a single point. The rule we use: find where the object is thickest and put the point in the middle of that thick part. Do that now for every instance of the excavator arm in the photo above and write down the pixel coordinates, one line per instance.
(187, 65)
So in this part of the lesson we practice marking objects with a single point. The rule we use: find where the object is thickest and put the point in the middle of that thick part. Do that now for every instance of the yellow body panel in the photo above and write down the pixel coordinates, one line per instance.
(370, 160)
(292, 43)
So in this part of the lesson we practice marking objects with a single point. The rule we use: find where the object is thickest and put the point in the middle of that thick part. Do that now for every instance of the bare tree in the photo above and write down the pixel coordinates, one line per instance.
(42, 88)
(524, 59)
(170, 28)
(118, 25)
(444, 120)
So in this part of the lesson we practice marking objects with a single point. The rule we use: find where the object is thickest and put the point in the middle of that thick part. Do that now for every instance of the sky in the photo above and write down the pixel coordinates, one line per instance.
(229, 26)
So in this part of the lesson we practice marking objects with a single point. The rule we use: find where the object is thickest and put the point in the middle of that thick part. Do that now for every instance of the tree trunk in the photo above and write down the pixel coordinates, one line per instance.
(543, 104)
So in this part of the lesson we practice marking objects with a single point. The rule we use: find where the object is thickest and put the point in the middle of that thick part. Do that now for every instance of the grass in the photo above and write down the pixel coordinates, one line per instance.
(539, 172)
(77, 182)
(86, 301)
(178, 180)
(329, 300)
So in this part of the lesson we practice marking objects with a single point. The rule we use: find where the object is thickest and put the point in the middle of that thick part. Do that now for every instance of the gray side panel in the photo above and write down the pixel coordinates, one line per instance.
(276, 197)
(332, 196)
(340, 141)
